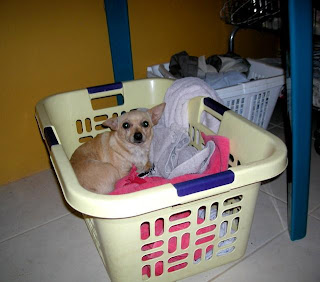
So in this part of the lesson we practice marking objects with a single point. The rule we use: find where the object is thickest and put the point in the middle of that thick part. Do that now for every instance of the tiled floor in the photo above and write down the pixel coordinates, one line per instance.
(42, 239)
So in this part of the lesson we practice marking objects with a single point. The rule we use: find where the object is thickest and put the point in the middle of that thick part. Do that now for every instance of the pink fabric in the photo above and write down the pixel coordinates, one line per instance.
(218, 162)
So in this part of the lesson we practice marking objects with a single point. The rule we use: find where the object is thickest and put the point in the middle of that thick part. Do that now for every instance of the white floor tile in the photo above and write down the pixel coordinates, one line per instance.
(30, 202)
(316, 213)
(61, 250)
(281, 260)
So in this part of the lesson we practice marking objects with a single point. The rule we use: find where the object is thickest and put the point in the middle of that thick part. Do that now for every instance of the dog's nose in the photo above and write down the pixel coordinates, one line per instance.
(137, 136)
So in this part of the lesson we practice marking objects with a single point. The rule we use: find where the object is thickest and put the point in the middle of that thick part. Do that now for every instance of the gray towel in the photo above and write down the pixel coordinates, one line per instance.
(172, 155)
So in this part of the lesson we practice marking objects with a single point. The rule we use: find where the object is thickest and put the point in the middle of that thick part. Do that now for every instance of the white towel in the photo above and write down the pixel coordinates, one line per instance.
(177, 98)
(172, 156)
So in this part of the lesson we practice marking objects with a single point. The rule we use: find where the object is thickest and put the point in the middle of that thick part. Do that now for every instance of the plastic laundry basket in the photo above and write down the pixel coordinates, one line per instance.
(167, 232)
(254, 100)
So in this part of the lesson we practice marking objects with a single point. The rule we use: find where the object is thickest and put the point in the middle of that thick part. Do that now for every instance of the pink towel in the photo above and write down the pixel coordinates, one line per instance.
(218, 162)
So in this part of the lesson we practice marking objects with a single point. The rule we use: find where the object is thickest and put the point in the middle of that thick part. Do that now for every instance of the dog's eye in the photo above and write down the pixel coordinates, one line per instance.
(145, 124)
(125, 125)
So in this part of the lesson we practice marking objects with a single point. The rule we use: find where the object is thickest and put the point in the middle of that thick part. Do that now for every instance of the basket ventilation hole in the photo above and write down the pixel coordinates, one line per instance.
(107, 102)
(99, 127)
(227, 242)
(159, 268)
(152, 255)
(146, 272)
(100, 118)
(231, 211)
(85, 139)
(225, 251)
(197, 137)
(206, 229)
(152, 245)
(185, 241)
(223, 229)
(179, 215)
(231, 158)
(205, 240)
(172, 244)
(192, 133)
(88, 125)
(209, 252)
(145, 230)
(197, 256)
(180, 226)
(235, 225)
(177, 258)
(201, 215)
(159, 226)
(177, 267)
(214, 211)
(238, 162)
(79, 126)
(232, 200)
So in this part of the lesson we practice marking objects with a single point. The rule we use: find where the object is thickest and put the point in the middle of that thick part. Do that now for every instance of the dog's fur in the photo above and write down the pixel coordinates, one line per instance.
(109, 156)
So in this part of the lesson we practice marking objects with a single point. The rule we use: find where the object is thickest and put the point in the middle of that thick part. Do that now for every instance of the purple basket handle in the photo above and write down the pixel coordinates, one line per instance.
(204, 183)
(50, 137)
(216, 106)
(105, 87)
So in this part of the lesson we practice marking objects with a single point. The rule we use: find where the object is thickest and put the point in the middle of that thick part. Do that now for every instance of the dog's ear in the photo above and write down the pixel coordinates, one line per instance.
(156, 113)
(112, 123)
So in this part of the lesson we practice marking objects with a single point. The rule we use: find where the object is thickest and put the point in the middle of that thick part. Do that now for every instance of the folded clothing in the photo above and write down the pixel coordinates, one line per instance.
(217, 163)
(224, 79)
(172, 156)
(182, 65)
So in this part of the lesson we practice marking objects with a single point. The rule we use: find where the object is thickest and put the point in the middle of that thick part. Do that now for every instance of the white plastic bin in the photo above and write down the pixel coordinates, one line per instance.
(254, 100)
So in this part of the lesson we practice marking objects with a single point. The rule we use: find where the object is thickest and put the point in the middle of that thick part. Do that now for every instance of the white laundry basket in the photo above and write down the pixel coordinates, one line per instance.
(254, 100)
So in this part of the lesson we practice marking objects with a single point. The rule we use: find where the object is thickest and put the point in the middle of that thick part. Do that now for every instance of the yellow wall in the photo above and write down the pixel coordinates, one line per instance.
(49, 47)
(161, 28)
(46, 47)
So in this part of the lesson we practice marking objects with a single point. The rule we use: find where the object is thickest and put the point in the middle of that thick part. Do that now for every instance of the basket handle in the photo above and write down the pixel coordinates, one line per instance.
(104, 87)
(215, 106)
(50, 137)
(204, 183)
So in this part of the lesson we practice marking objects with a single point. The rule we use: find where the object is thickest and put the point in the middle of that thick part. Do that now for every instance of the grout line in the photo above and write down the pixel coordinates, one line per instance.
(248, 255)
(274, 196)
(317, 218)
(32, 228)
(314, 209)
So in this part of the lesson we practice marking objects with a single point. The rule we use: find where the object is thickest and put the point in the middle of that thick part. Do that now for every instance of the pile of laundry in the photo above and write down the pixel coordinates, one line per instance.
(173, 159)
(218, 71)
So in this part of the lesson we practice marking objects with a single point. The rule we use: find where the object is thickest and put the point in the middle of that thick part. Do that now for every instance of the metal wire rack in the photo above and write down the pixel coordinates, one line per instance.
(252, 13)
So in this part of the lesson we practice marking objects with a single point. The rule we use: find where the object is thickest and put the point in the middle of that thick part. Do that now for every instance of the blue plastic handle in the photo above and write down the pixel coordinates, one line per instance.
(204, 183)
(105, 87)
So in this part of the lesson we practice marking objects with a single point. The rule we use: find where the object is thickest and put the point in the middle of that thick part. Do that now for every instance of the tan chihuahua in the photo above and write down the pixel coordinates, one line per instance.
(102, 161)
